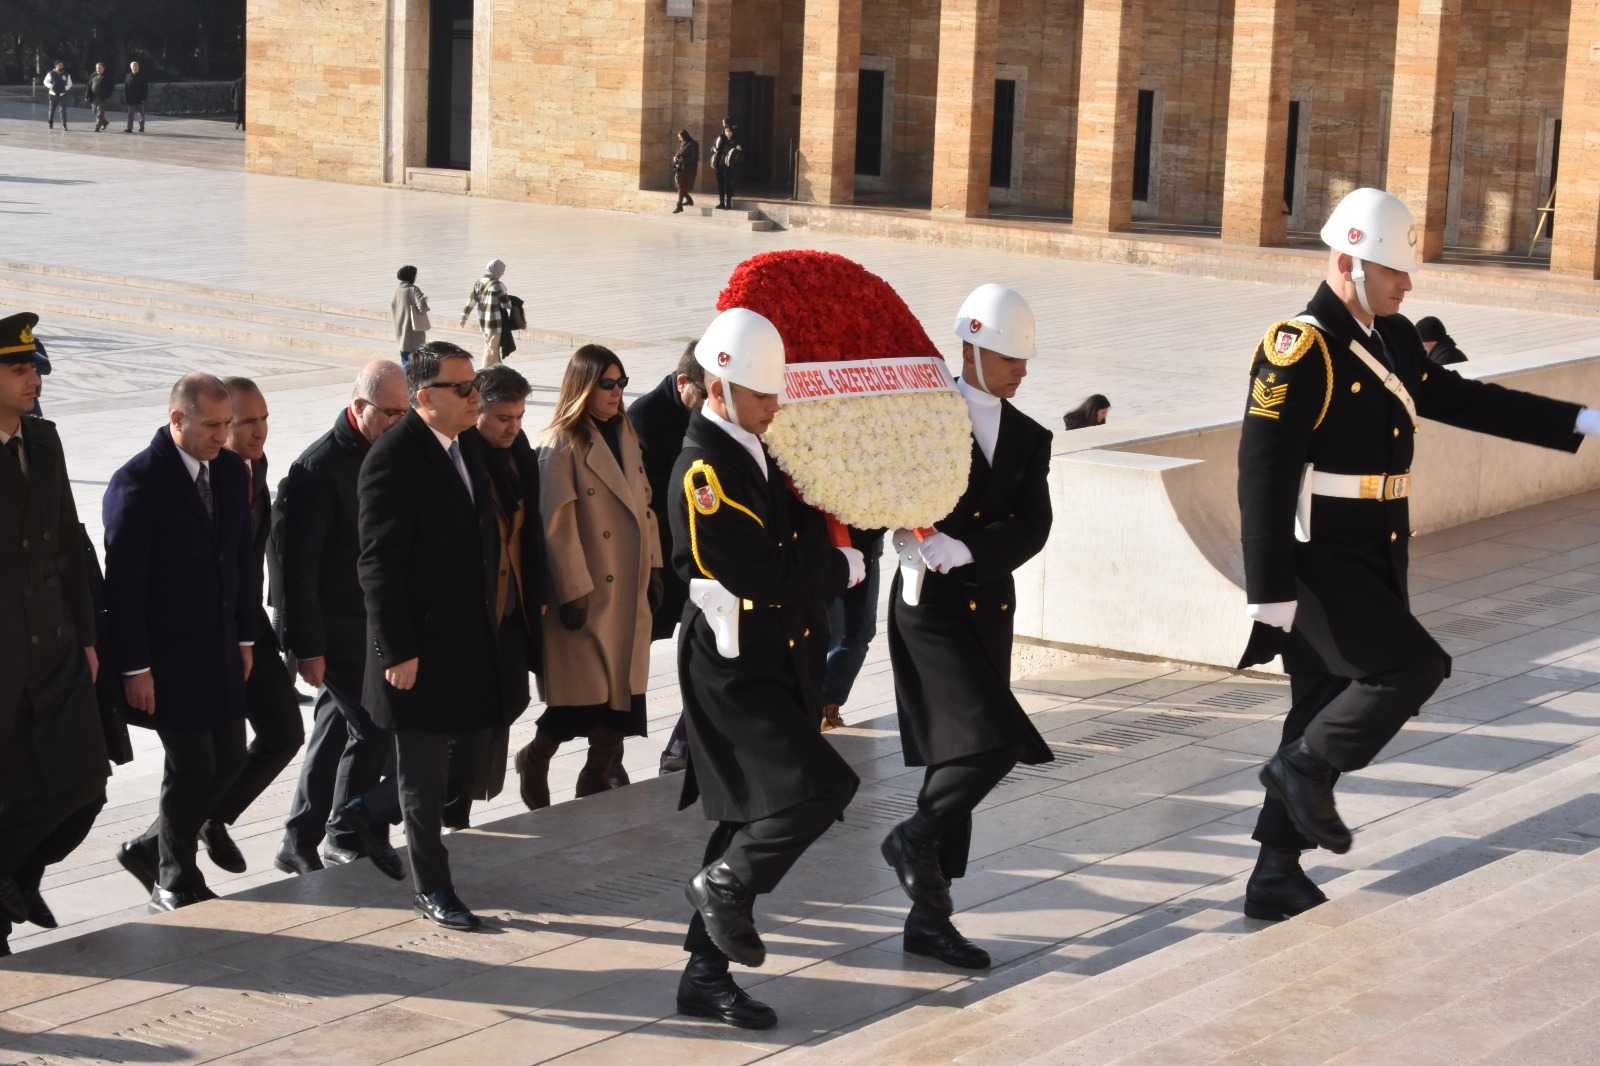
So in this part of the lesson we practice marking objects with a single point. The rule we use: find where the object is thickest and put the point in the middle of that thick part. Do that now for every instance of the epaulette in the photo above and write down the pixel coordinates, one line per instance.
(703, 491)
(1286, 343)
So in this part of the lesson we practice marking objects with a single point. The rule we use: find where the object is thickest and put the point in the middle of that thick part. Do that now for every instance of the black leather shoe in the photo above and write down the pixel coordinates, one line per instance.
(1278, 888)
(138, 861)
(706, 990)
(917, 864)
(1299, 779)
(374, 842)
(291, 861)
(220, 846)
(13, 901)
(443, 908)
(164, 900)
(673, 764)
(5, 947)
(39, 912)
(725, 906)
(334, 855)
(935, 937)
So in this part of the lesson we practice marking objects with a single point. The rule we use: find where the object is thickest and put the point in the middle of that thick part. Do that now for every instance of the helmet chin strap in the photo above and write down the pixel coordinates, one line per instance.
(727, 398)
(977, 367)
(1358, 274)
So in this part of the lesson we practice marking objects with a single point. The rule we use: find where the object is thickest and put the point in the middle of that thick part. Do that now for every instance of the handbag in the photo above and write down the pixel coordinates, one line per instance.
(419, 315)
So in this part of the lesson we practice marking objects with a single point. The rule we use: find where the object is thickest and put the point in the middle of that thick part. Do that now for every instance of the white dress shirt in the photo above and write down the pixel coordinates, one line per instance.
(22, 452)
(746, 440)
(985, 412)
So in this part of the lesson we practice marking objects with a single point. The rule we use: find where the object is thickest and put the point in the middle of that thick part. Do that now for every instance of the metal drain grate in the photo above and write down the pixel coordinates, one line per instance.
(634, 887)
(185, 1027)
(877, 811)
(1556, 597)
(1117, 737)
(1238, 699)
(1465, 627)
(309, 981)
(1514, 612)
(1172, 722)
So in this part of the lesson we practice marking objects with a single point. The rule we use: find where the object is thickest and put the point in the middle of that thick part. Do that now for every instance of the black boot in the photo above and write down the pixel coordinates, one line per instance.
(706, 990)
(605, 751)
(533, 771)
(916, 860)
(1303, 782)
(1278, 888)
(726, 907)
(931, 934)
(13, 900)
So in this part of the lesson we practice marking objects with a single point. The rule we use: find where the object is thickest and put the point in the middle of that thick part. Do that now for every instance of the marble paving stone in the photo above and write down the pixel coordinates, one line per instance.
(1155, 777)
(1523, 654)
(1457, 760)
(1501, 698)
(363, 1039)
(1125, 830)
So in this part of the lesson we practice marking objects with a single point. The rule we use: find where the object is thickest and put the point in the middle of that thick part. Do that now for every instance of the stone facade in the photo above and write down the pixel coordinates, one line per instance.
(578, 103)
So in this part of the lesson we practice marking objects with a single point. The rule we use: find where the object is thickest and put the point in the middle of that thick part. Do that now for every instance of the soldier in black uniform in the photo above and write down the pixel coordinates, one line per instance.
(759, 564)
(950, 638)
(1324, 478)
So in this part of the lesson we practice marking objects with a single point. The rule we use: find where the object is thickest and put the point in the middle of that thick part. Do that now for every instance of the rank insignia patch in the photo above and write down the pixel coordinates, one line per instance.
(1266, 399)
(1285, 342)
(705, 499)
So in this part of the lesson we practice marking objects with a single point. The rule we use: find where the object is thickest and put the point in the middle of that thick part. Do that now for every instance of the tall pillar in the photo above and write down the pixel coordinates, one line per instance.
(1576, 246)
(963, 138)
(1108, 113)
(1258, 122)
(713, 89)
(829, 84)
(1424, 98)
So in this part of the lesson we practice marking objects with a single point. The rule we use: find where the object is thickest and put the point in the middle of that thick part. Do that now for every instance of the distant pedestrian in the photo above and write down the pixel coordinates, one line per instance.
(685, 162)
(135, 90)
(99, 96)
(238, 103)
(57, 84)
(726, 154)
(410, 307)
(488, 301)
(1437, 342)
(1091, 412)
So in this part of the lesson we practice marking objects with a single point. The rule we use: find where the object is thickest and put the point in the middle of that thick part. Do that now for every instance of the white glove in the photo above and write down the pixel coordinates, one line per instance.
(1274, 614)
(1588, 422)
(858, 565)
(943, 553)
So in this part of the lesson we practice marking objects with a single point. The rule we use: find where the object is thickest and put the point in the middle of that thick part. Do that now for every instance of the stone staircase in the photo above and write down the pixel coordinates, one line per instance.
(1467, 931)
(742, 216)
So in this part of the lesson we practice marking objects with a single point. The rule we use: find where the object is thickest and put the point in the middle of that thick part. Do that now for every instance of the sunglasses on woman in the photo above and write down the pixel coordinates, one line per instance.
(612, 383)
(462, 389)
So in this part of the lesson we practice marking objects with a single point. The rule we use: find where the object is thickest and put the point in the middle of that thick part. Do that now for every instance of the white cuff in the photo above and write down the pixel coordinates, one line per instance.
(1280, 614)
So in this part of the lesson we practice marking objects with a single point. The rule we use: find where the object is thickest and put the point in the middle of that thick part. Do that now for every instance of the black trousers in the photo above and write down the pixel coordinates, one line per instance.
(1346, 722)
(136, 109)
(346, 756)
(422, 774)
(951, 791)
(724, 185)
(42, 830)
(762, 852)
(199, 768)
(58, 103)
(273, 712)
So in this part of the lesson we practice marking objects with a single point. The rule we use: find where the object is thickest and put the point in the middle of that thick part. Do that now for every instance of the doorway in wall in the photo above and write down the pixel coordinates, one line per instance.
(450, 84)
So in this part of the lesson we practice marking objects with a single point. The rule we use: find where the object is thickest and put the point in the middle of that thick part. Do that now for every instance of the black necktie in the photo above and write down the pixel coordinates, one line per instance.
(14, 451)
(203, 484)
(1374, 341)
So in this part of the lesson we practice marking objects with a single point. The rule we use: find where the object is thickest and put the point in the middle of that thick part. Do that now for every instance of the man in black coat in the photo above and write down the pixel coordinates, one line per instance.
(726, 155)
(53, 763)
(950, 639)
(315, 545)
(182, 612)
(1325, 456)
(660, 417)
(271, 707)
(429, 556)
(760, 566)
(135, 90)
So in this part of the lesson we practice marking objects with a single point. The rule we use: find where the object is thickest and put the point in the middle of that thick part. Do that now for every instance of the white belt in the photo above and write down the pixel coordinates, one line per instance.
(1360, 486)
(721, 610)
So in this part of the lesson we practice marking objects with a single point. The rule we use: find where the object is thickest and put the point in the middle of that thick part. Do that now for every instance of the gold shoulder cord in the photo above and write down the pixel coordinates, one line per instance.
(718, 498)
(1309, 335)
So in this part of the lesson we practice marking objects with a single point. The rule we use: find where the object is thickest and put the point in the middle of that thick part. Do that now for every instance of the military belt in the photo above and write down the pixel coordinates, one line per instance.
(1361, 486)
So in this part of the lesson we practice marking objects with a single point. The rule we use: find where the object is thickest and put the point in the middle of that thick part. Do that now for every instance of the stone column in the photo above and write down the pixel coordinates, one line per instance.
(1108, 113)
(1258, 122)
(1576, 246)
(963, 138)
(718, 34)
(1424, 96)
(829, 84)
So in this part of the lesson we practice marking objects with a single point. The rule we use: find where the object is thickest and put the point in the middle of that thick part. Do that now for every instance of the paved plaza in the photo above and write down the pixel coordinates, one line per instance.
(1133, 843)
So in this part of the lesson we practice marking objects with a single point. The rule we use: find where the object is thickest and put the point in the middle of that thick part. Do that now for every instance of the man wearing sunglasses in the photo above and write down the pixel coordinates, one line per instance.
(429, 552)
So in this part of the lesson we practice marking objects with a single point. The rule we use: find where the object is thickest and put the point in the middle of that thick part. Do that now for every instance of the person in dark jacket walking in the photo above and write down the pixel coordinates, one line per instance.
(685, 162)
(100, 96)
(429, 556)
(1437, 342)
(726, 155)
(315, 544)
(182, 618)
(53, 760)
(1091, 412)
(135, 90)
(57, 84)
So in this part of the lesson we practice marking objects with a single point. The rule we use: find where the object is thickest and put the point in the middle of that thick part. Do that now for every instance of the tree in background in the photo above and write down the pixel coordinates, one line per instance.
(172, 39)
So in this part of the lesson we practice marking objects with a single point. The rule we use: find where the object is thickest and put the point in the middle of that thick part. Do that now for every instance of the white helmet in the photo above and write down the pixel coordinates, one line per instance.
(744, 348)
(996, 317)
(1371, 225)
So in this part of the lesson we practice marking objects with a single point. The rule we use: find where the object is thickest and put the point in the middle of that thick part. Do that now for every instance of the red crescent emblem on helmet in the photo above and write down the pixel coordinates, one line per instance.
(723, 358)
(1356, 236)
(975, 326)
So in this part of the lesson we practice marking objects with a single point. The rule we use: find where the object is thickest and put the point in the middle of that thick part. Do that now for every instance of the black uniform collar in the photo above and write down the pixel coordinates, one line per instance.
(1337, 322)
(712, 438)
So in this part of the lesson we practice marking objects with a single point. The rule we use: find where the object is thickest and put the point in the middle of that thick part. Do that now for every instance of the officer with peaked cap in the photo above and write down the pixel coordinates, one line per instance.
(1325, 454)
(53, 762)
(950, 639)
(759, 564)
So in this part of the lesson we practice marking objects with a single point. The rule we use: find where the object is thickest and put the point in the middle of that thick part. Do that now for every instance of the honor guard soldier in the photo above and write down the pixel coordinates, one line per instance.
(1324, 478)
(53, 761)
(950, 618)
(759, 564)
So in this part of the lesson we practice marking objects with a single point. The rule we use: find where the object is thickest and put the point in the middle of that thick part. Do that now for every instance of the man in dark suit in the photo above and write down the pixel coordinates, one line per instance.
(271, 706)
(429, 556)
(52, 751)
(182, 612)
(315, 545)
(661, 417)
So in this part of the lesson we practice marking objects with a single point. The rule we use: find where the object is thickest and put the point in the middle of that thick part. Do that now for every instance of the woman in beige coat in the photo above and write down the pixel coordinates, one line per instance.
(604, 557)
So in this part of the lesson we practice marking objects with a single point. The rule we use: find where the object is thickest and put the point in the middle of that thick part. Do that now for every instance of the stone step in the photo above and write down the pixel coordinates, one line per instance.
(439, 179)
(741, 215)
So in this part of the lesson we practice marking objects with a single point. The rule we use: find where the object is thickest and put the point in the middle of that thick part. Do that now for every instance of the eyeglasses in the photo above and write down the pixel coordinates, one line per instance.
(612, 383)
(462, 389)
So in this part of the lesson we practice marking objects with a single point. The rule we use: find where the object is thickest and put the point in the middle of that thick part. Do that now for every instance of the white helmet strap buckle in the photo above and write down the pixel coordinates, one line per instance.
(1358, 275)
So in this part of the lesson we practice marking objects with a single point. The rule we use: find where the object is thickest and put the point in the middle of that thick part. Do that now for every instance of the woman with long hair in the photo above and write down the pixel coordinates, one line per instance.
(604, 557)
